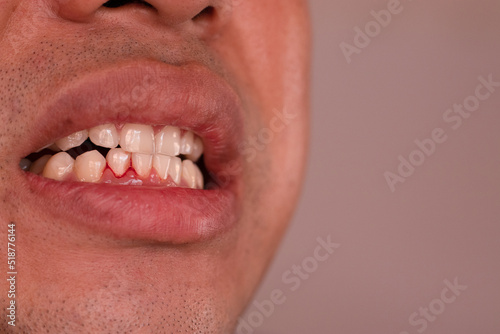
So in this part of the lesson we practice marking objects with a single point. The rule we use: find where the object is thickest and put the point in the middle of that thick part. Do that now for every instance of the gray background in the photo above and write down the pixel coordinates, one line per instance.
(397, 248)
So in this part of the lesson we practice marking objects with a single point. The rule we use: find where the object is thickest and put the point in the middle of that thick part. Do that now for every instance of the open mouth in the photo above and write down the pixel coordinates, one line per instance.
(142, 151)
(126, 154)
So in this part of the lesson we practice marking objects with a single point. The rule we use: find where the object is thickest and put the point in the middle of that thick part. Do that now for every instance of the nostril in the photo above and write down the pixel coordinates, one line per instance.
(206, 13)
(120, 3)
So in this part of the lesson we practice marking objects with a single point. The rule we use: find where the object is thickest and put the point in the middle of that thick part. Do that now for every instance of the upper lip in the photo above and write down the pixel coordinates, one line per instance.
(147, 92)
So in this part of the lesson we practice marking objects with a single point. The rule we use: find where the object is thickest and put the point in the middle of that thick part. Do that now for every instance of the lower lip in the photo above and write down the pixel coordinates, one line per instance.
(170, 215)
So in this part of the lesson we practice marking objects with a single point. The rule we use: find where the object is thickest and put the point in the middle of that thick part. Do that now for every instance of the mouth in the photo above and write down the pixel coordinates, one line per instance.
(125, 154)
(142, 151)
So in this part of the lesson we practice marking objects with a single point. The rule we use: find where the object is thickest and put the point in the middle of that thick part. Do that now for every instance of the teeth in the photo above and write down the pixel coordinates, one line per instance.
(59, 167)
(139, 148)
(168, 166)
(187, 143)
(73, 140)
(142, 164)
(90, 166)
(175, 170)
(197, 150)
(104, 135)
(118, 160)
(54, 148)
(137, 138)
(25, 164)
(168, 141)
(192, 175)
(38, 166)
(200, 182)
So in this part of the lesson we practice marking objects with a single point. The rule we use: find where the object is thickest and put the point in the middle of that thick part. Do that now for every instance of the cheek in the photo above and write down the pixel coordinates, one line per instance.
(265, 43)
(289, 154)
(266, 49)
(6, 9)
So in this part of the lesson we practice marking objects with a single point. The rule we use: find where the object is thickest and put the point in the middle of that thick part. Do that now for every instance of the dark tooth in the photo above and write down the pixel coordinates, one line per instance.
(25, 164)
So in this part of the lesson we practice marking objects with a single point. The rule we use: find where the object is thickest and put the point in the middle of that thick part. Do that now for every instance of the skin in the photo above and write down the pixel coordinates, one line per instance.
(74, 281)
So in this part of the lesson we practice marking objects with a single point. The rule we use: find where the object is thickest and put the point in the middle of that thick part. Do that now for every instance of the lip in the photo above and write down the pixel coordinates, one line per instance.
(146, 92)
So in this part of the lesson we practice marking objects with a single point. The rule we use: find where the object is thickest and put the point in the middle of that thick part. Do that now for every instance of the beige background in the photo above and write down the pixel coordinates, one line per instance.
(443, 222)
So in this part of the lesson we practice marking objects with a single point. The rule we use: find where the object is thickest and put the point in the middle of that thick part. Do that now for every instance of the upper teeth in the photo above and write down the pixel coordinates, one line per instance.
(73, 140)
(139, 147)
(168, 141)
(105, 135)
(187, 143)
(197, 149)
(137, 138)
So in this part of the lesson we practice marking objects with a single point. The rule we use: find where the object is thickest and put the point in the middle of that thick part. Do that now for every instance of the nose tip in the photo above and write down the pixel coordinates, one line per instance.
(176, 12)
(170, 12)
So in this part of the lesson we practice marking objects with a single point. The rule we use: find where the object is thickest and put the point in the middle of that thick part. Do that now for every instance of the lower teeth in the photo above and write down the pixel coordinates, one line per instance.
(87, 163)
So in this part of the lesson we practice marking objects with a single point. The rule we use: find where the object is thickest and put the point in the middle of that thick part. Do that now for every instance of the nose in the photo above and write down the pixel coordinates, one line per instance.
(171, 12)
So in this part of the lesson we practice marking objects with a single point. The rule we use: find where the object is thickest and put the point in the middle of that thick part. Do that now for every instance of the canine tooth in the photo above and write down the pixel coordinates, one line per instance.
(39, 164)
(187, 143)
(142, 164)
(168, 166)
(168, 141)
(197, 150)
(90, 166)
(200, 182)
(191, 175)
(118, 160)
(73, 140)
(59, 166)
(137, 138)
(104, 135)
(25, 164)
